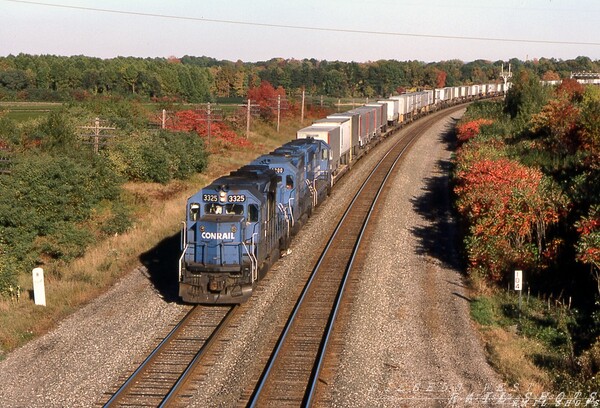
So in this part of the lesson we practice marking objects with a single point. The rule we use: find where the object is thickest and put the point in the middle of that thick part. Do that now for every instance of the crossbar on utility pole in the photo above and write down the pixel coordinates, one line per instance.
(97, 134)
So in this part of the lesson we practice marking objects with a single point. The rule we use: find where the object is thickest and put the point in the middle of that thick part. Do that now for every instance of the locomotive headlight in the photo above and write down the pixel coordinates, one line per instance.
(223, 196)
(202, 228)
(233, 228)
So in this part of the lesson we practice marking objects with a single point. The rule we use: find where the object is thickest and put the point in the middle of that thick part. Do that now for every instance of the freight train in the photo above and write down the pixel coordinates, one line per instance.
(240, 224)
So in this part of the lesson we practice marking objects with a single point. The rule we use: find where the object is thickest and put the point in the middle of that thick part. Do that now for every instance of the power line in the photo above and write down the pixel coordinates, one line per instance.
(309, 28)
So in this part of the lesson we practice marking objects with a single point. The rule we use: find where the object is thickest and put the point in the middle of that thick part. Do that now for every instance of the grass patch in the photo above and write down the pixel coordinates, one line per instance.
(532, 345)
(482, 311)
(24, 111)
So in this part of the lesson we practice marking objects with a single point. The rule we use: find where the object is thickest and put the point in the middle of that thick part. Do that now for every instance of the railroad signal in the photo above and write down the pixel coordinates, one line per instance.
(505, 75)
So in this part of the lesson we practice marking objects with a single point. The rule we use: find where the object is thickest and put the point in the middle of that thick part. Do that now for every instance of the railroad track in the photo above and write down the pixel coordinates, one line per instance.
(292, 373)
(158, 379)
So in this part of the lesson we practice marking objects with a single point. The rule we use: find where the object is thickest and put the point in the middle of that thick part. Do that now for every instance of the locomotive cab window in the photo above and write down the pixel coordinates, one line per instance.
(289, 182)
(252, 213)
(213, 209)
(194, 210)
(236, 209)
(324, 154)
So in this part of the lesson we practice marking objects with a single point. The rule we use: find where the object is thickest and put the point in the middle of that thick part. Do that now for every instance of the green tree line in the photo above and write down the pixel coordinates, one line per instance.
(204, 79)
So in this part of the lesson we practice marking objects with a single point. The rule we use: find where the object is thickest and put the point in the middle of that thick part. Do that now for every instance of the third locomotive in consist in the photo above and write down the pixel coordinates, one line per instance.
(237, 226)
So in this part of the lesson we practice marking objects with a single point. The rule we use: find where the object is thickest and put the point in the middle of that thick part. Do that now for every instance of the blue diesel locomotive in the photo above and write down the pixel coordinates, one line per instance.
(237, 226)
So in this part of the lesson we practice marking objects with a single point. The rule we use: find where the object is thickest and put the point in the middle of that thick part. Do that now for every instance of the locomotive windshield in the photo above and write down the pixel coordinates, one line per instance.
(232, 209)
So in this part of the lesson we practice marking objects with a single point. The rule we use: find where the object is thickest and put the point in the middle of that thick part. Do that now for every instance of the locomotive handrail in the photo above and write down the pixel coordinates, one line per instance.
(253, 260)
(181, 262)
(183, 235)
(291, 210)
(184, 248)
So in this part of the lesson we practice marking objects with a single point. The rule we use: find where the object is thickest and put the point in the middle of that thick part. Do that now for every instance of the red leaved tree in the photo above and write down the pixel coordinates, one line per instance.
(468, 130)
(509, 208)
(441, 79)
(588, 246)
(557, 125)
(220, 133)
(266, 96)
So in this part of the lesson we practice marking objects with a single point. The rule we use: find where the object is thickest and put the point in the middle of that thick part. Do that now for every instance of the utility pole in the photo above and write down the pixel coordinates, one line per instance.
(208, 119)
(210, 114)
(248, 119)
(280, 107)
(302, 110)
(278, 111)
(505, 76)
(98, 137)
(251, 110)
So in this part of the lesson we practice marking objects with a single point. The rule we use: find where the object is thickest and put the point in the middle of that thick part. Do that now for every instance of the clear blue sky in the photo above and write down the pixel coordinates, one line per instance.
(346, 30)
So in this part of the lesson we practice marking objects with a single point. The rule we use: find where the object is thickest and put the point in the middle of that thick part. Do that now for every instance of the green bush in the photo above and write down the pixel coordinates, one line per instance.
(67, 243)
(8, 272)
(43, 200)
(158, 157)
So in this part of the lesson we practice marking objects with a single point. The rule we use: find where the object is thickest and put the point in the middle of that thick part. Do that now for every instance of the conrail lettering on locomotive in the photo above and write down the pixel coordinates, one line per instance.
(217, 235)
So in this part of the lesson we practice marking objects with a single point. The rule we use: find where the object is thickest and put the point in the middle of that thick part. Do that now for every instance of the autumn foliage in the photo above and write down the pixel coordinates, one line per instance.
(267, 97)
(197, 121)
(509, 208)
(468, 130)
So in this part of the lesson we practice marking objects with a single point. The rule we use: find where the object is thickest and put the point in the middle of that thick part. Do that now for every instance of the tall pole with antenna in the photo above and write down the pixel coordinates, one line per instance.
(505, 77)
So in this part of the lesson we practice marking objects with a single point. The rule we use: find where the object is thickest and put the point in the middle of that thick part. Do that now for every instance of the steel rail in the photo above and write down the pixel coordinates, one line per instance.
(154, 358)
(121, 391)
(185, 376)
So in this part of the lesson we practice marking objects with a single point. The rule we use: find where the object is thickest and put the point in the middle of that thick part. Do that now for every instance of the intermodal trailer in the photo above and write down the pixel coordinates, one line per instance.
(402, 106)
(393, 109)
(366, 123)
(345, 125)
(355, 131)
(380, 116)
(328, 134)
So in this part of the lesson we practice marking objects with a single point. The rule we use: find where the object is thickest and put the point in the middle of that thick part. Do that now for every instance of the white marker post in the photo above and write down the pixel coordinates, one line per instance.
(519, 285)
(39, 292)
